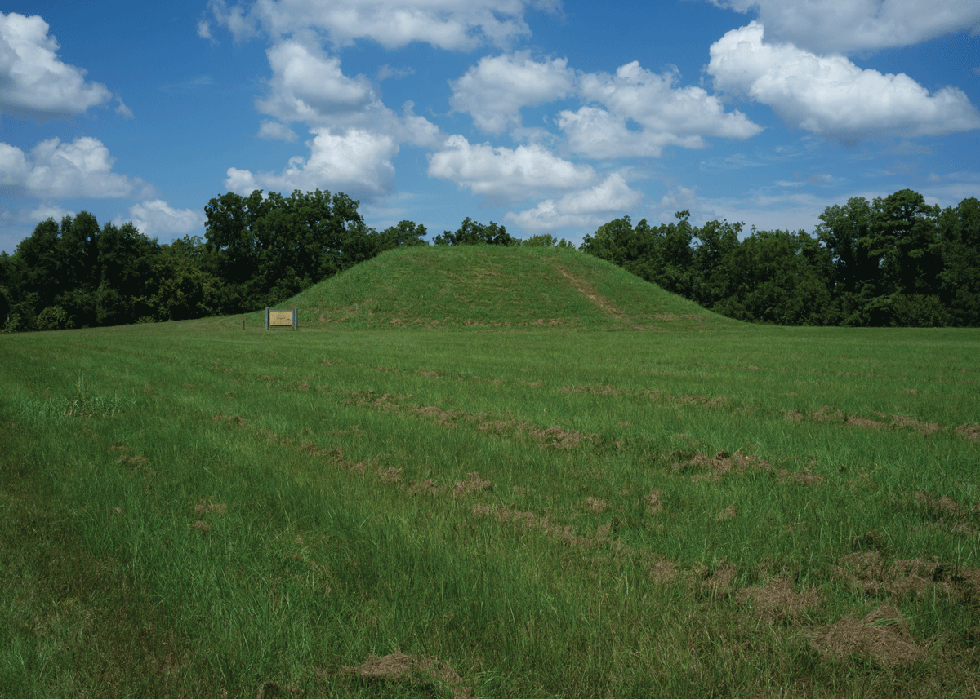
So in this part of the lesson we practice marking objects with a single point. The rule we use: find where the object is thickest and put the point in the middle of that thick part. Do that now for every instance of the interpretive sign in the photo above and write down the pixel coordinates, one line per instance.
(281, 319)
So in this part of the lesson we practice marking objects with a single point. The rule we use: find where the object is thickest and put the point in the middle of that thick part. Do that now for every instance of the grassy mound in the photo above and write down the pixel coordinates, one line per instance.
(493, 287)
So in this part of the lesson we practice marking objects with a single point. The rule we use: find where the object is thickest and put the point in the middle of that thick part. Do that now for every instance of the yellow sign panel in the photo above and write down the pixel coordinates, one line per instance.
(281, 318)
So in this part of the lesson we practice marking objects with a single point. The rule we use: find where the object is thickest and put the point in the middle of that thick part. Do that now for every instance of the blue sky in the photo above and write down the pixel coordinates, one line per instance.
(542, 115)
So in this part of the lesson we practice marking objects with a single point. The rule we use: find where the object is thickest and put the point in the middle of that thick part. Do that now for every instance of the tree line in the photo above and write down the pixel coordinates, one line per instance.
(893, 261)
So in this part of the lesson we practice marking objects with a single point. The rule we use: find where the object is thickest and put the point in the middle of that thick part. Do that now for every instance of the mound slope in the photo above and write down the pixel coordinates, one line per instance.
(493, 287)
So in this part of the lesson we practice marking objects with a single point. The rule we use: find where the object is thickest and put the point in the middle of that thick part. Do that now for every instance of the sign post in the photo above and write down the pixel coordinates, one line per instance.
(281, 319)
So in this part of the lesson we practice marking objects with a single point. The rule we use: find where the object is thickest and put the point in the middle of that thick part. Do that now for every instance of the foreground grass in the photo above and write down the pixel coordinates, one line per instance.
(194, 510)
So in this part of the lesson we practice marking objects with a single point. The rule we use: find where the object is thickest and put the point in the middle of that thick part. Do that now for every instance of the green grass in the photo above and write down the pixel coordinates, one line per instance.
(193, 510)
(492, 287)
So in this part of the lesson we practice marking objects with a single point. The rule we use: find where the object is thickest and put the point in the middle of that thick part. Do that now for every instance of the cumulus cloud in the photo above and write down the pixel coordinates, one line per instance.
(829, 95)
(586, 208)
(156, 216)
(82, 168)
(643, 112)
(34, 81)
(494, 90)
(825, 26)
(309, 86)
(357, 162)
(445, 24)
(506, 174)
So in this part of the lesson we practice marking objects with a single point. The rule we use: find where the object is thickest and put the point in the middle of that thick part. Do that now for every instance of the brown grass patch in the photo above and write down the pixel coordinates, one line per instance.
(807, 478)
(400, 667)
(778, 600)
(726, 514)
(425, 487)
(389, 475)
(472, 484)
(596, 505)
(868, 571)
(947, 512)
(828, 413)
(714, 583)
(663, 572)
(881, 638)
(206, 506)
(865, 423)
(529, 521)
(905, 421)
(969, 431)
(722, 463)
(655, 504)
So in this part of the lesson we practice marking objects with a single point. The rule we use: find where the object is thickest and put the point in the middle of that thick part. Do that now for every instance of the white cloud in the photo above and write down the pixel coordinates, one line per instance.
(156, 216)
(34, 81)
(276, 131)
(122, 110)
(13, 166)
(830, 96)
(357, 163)
(445, 24)
(506, 174)
(82, 168)
(31, 217)
(204, 31)
(824, 26)
(644, 112)
(309, 86)
(386, 72)
(494, 90)
(586, 208)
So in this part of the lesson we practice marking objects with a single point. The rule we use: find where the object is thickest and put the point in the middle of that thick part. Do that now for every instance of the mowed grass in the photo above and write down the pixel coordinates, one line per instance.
(579, 509)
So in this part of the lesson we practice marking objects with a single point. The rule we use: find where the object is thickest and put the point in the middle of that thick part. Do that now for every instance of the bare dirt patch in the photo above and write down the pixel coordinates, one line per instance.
(881, 638)
(777, 600)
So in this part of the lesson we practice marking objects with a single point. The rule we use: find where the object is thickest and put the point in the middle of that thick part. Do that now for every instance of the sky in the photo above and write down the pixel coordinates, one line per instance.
(545, 116)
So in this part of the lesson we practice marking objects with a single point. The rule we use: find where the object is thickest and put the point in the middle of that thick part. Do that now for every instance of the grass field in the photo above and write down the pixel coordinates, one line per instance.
(479, 473)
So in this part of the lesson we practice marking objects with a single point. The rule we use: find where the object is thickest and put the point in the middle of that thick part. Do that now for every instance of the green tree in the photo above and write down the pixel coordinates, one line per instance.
(180, 287)
(908, 240)
(960, 234)
(125, 259)
(267, 248)
(405, 234)
(475, 233)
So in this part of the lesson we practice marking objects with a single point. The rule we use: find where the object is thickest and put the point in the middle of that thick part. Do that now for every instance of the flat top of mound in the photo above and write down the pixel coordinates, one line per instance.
(493, 287)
